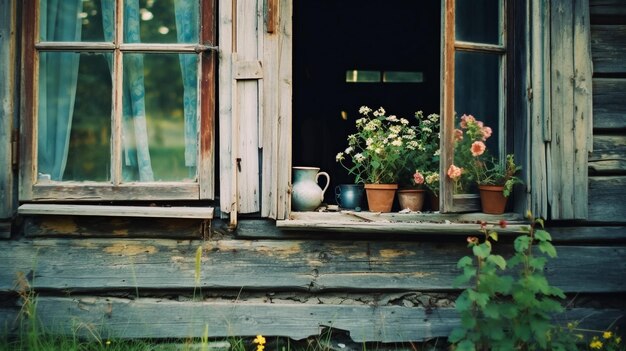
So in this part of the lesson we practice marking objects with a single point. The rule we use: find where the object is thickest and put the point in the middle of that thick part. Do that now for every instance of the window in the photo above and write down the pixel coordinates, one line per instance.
(473, 72)
(120, 100)
(460, 62)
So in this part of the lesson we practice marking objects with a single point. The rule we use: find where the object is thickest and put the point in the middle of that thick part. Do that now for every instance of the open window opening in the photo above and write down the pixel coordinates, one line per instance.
(374, 54)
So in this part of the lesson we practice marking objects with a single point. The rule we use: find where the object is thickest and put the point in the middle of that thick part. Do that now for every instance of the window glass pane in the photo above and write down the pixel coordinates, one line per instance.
(403, 77)
(160, 117)
(163, 21)
(360, 76)
(74, 118)
(477, 90)
(75, 20)
(478, 21)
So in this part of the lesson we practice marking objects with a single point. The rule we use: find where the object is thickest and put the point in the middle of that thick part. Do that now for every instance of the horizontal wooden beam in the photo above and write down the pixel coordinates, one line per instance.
(609, 104)
(606, 199)
(609, 154)
(162, 318)
(608, 49)
(294, 265)
(116, 211)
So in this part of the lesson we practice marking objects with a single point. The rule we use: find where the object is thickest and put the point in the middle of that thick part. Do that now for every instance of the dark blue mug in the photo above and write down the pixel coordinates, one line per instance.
(349, 196)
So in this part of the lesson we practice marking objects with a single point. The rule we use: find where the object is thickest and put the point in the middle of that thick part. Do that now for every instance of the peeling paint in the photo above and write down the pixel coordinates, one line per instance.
(393, 253)
(130, 250)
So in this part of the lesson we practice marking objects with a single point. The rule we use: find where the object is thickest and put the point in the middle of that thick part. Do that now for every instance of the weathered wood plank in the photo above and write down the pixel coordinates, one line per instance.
(5, 230)
(606, 199)
(285, 80)
(608, 49)
(116, 211)
(225, 40)
(161, 318)
(83, 191)
(295, 265)
(609, 103)
(116, 227)
(247, 109)
(539, 113)
(609, 154)
(7, 106)
(208, 98)
(607, 11)
(587, 234)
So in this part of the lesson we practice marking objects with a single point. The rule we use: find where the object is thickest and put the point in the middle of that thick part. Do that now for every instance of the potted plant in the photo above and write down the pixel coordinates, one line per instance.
(376, 153)
(412, 198)
(494, 178)
(431, 181)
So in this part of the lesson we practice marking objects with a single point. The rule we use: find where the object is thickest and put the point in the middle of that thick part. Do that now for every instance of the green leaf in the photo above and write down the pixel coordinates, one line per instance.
(522, 243)
(554, 291)
(538, 263)
(457, 335)
(493, 235)
(468, 321)
(509, 310)
(479, 298)
(465, 345)
(463, 302)
(539, 221)
(492, 311)
(538, 283)
(465, 261)
(542, 235)
(483, 250)
(547, 248)
(497, 260)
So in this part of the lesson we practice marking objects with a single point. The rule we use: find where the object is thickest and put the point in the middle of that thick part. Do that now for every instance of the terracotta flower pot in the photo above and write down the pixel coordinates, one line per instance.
(380, 196)
(412, 199)
(492, 199)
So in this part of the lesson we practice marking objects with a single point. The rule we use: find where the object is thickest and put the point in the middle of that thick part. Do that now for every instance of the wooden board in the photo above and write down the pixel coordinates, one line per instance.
(606, 199)
(608, 49)
(117, 211)
(115, 227)
(162, 318)
(5, 230)
(293, 265)
(609, 104)
(7, 106)
(607, 11)
(609, 154)
(604, 234)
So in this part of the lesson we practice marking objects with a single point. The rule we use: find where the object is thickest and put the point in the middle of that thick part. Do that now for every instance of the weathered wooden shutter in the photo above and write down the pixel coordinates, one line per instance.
(8, 138)
(254, 106)
(560, 107)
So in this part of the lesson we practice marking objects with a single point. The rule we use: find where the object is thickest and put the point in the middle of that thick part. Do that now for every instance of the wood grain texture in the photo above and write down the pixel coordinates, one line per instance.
(609, 104)
(606, 199)
(607, 8)
(225, 107)
(609, 154)
(117, 211)
(293, 265)
(7, 106)
(116, 227)
(608, 49)
(119, 318)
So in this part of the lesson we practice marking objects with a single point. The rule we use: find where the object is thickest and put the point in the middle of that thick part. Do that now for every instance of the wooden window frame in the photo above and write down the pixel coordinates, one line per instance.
(449, 202)
(115, 190)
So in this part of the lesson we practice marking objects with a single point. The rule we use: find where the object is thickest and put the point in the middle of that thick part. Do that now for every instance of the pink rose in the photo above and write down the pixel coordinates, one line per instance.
(418, 178)
(465, 119)
(454, 172)
(478, 148)
(486, 133)
(458, 135)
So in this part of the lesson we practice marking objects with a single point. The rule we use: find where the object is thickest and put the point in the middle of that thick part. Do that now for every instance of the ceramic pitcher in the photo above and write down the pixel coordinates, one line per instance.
(306, 194)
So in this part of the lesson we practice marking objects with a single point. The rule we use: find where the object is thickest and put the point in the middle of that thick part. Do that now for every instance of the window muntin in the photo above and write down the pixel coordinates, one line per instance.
(127, 113)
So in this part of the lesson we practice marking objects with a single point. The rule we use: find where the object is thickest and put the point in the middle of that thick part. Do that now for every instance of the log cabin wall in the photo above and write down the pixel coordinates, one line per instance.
(114, 276)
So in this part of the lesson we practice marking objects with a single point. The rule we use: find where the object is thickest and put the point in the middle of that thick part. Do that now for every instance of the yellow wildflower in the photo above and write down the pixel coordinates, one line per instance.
(607, 335)
(596, 344)
(259, 340)
(618, 340)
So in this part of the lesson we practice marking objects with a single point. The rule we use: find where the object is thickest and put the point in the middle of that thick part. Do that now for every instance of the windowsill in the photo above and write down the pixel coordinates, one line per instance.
(117, 211)
(414, 223)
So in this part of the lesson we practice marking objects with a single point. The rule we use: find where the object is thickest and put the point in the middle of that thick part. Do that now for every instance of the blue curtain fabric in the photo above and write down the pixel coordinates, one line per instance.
(187, 32)
(58, 75)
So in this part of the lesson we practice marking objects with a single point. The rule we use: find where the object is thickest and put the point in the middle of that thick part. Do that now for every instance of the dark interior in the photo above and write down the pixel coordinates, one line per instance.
(331, 37)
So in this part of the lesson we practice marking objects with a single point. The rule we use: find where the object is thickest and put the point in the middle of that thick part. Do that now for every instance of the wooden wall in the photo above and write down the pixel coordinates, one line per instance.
(607, 162)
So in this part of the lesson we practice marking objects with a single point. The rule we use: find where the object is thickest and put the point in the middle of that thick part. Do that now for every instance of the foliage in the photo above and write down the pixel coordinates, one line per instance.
(510, 303)
(431, 179)
(473, 162)
(385, 146)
